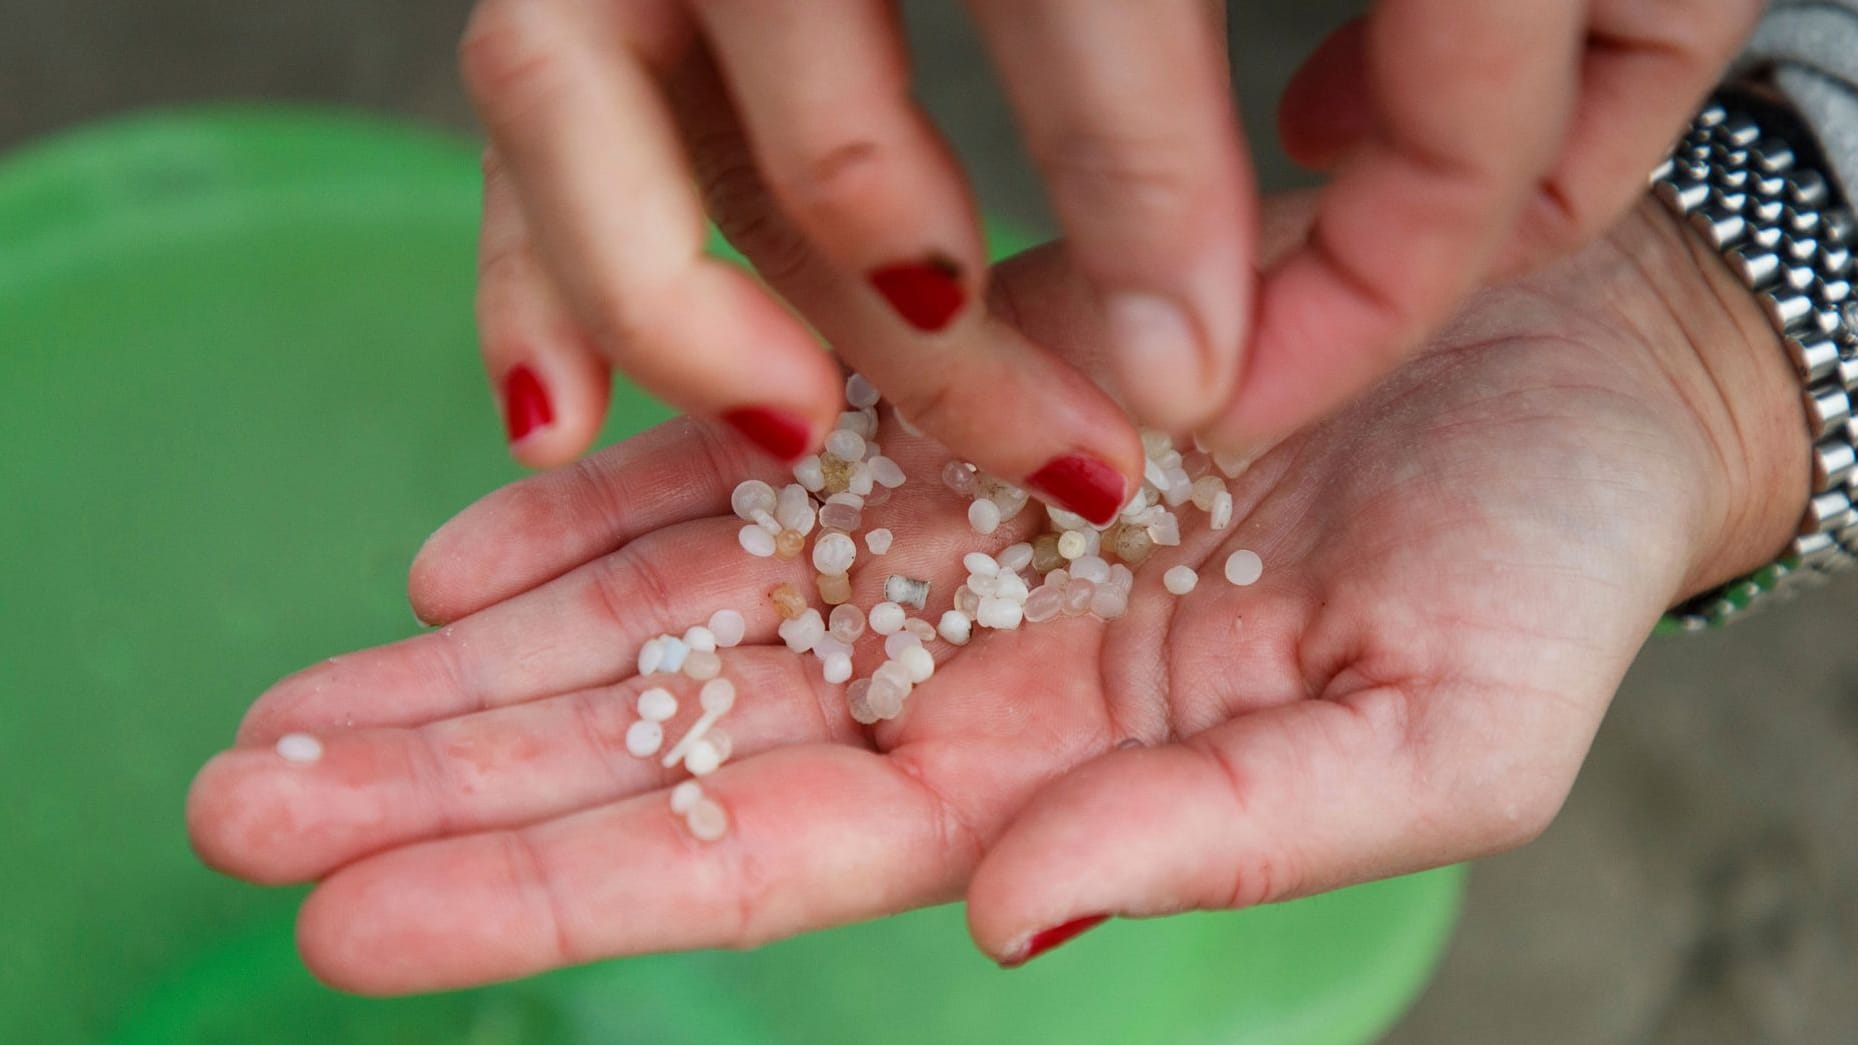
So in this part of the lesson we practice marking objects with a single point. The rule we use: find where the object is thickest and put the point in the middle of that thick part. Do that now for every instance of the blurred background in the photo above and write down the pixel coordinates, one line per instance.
(1702, 884)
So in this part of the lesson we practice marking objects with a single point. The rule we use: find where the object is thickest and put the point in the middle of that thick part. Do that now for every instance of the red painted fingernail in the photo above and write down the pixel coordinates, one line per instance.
(927, 294)
(780, 433)
(1080, 484)
(525, 403)
(1050, 938)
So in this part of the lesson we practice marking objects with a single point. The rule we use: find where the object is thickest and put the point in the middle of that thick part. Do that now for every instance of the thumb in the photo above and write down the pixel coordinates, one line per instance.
(1273, 805)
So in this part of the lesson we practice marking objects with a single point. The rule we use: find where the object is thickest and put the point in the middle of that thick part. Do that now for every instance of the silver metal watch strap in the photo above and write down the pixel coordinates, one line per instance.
(1755, 189)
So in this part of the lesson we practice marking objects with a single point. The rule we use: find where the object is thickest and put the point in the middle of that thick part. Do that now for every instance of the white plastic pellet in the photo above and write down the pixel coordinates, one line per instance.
(980, 564)
(1154, 475)
(885, 618)
(1016, 557)
(878, 540)
(1180, 489)
(674, 653)
(1072, 544)
(1092, 568)
(858, 702)
(918, 662)
(702, 759)
(898, 641)
(756, 541)
(1244, 567)
(984, 516)
(886, 472)
(872, 451)
(838, 668)
(707, 821)
(810, 473)
(768, 522)
(751, 496)
(834, 553)
(717, 696)
(796, 511)
(860, 392)
(1107, 603)
(863, 422)
(657, 704)
(845, 444)
(1220, 515)
(300, 748)
(1011, 586)
(860, 481)
(644, 738)
(984, 584)
(1179, 580)
(920, 628)
(845, 623)
(702, 665)
(1065, 520)
(685, 795)
(700, 638)
(1165, 531)
(650, 656)
(1044, 604)
(955, 628)
(906, 591)
(803, 631)
(728, 627)
(828, 645)
(957, 476)
(1121, 577)
(1001, 613)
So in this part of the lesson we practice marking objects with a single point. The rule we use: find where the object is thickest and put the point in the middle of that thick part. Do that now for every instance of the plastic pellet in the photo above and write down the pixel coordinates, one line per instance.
(716, 697)
(1180, 489)
(1244, 567)
(644, 738)
(860, 481)
(1015, 557)
(1108, 603)
(702, 665)
(789, 544)
(651, 654)
(1044, 604)
(685, 795)
(300, 748)
(845, 623)
(878, 540)
(841, 517)
(827, 646)
(1231, 465)
(998, 613)
(967, 601)
(674, 653)
(1221, 515)
(810, 474)
(1077, 595)
(1058, 578)
(918, 662)
(756, 541)
(980, 563)
(838, 668)
(958, 477)
(864, 422)
(1165, 531)
(885, 698)
(1205, 489)
(885, 618)
(834, 588)
(1071, 544)
(858, 700)
(1122, 577)
(702, 759)
(846, 445)
(1130, 543)
(898, 641)
(955, 628)
(700, 638)
(920, 628)
(886, 472)
(906, 591)
(1045, 557)
(1179, 580)
(1011, 586)
(707, 821)
(803, 631)
(728, 627)
(657, 704)
(768, 522)
(983, 585)
(751, 496)
(984, 517)
(787, 602)
(1091, 568)
(860, 392)
(834, 553)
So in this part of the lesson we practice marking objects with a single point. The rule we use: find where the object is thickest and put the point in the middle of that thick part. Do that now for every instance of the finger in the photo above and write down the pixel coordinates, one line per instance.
(1326, 110)
(252, 814)
(566, 95)
(1059, 434)
(1127, 109)
(1466, 123)
(817, 836)
(539, 528)
(1272, 805)
(1646, 70)
(552, 383)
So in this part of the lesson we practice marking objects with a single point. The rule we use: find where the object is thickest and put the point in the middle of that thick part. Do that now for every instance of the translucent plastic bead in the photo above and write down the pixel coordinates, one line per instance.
(1129, 542)
(886, 472)
(1122, 577)
(906, 591)
(1010, 499)
(999, 613)
(885, 697)
(728, 627)
(858, 700)
(980, 563)
(1071, 544)
(1221, 515)
(834, 553)
(674, 653)
(1011, 586)
(1165, 531)
(967, 600)
(918, 662)
(702, 759)
(878, 540)
(1179, 580)
(1107, 603)
(1015, 557)
(810, 474)
(878, 495)
(1244, 567)
(716, 697)
(846, 445)
(885, 618)
(701, 665)
(835, 589)
(1058, 578)
(958, 477)
(1205, 489)
(860, 482)
(1091, 568)
(795, 511)
(828, 645)
(863, 422)
(644, 738)
(756, 541)
(1077, 595)
(707, 821)
(984, 517)
(845, 623)
(803, 631)
(701, 638)
(1180, 489)
(751, 496)
(300, 748)
(841, 517)
(920, 628)
(898, 641)
(1045, 557)
(789, 544)
(983, 584)
(685, 795)
(1044, 604)
(955, 628)
(651, 654)
(787, 602)
(657, 704)
(838, 668)
(860, 392)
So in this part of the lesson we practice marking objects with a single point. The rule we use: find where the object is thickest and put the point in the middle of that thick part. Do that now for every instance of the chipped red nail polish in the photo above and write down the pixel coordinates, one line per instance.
(1050, 938)
(927, 294)
(525, 403)
(1082, 484)
(782, 434)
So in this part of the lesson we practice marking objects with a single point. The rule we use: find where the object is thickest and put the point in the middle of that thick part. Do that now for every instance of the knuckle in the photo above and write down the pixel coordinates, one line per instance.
(1140, 182)
(744, 211)
(827, 179)
(506, 62)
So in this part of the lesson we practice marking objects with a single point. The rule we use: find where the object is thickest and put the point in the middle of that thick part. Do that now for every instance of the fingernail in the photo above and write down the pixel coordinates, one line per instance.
(525, 403)
(927, 294)
(1050, 938)
(782, 434)
(1157, 355)
(1081, 484)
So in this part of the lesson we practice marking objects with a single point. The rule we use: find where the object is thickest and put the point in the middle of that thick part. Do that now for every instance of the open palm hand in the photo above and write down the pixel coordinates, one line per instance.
(1458, 569)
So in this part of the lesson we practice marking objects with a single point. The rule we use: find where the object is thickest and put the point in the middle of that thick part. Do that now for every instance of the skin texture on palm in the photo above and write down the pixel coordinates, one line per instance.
(1459, 567)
